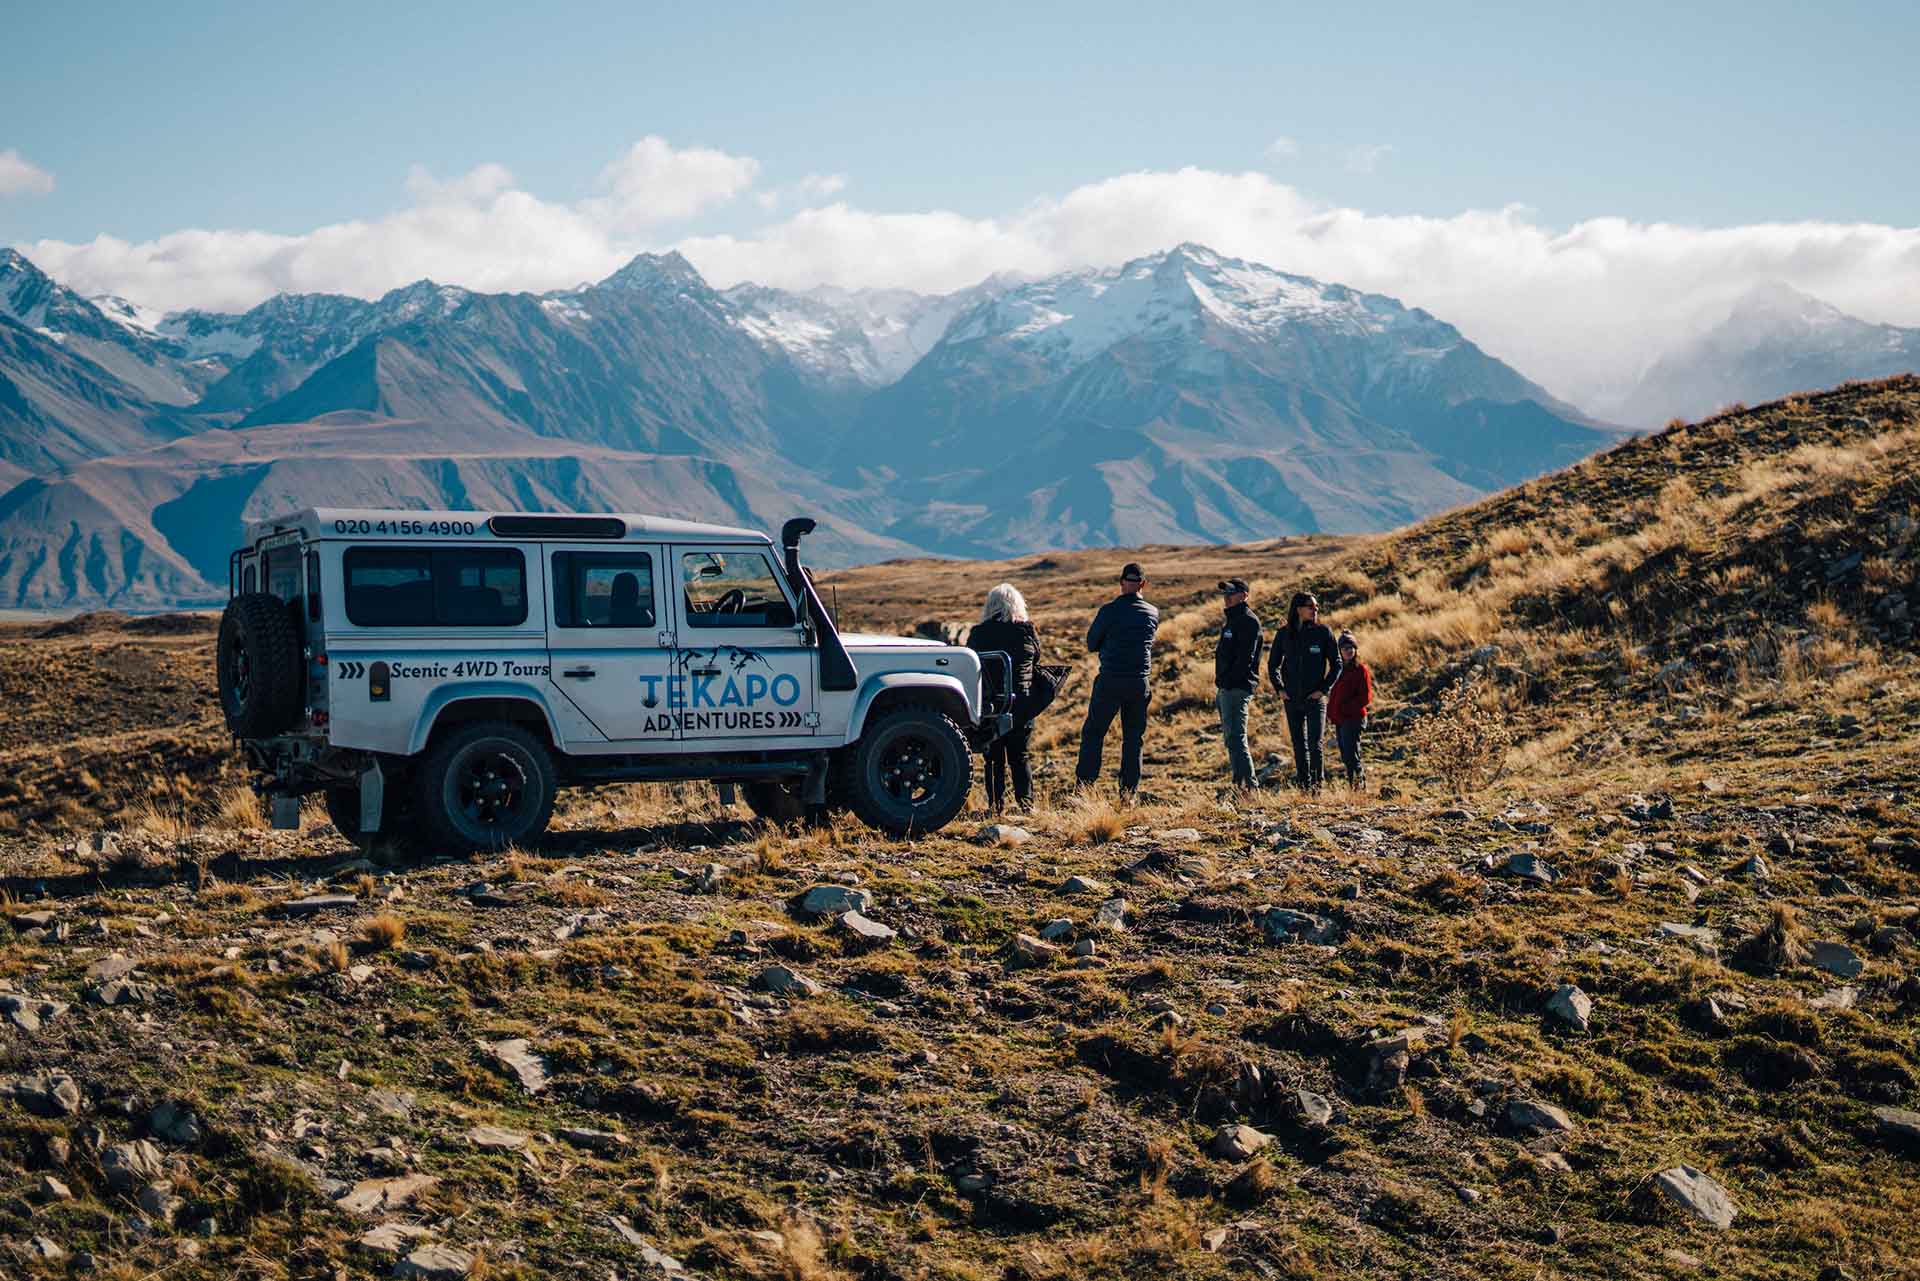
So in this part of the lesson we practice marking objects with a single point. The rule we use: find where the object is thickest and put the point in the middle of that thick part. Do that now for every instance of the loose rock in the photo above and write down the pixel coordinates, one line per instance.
(1284, 925)
(532, 1070)
(833, 900)
(865, 929)
(781, 981)
(1571, 1006)
(1027, 951)
(131, 1165)
(1838, 959)
(435, 1263)
(1698, 1194)
(1112, 914)
(1529, 1117)
(1238, 1142)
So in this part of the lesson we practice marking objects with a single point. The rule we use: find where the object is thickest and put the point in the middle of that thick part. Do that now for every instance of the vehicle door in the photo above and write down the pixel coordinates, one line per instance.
(744, 668)
(611, 642)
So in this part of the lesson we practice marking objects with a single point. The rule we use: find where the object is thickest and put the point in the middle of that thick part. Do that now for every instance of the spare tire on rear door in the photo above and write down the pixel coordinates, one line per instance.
(260, 666)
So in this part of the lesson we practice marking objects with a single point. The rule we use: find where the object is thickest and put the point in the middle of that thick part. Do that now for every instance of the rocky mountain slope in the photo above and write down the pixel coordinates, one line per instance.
(1775, 340)
(1189, 395)
(1646, 1004)
(1184, 397)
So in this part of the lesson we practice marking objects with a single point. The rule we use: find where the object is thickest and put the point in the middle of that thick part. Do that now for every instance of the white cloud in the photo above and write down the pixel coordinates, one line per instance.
(811, 189)
(21, 177)
(1581, 310)
(1282, 148)
(654, 183)
(1366, 158)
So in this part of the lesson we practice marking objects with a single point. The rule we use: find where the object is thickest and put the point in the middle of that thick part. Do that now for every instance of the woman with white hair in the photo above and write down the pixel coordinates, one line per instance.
(1004, 626)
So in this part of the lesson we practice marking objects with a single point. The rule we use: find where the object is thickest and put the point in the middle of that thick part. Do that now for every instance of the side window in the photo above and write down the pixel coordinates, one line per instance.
(733, 589)
(283, 573)
(603, 589)
(437, 587)
(389, 587)
(479, 587)
(249, 580)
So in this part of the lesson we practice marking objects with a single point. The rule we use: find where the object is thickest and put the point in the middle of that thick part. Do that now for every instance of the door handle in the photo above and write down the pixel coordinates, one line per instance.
(579, 673)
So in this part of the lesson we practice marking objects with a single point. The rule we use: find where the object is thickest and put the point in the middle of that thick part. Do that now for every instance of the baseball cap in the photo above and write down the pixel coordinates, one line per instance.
(1228, 586)
(1132, 570)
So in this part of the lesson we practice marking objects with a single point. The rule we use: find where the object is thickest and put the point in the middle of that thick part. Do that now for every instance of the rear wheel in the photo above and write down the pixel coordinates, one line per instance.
(780, 803)
(343, 810)
(910, 771)
(484, 787)
(259, 666)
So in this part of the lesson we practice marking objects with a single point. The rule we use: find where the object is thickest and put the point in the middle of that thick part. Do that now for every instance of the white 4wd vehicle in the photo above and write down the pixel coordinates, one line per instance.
(440, 674)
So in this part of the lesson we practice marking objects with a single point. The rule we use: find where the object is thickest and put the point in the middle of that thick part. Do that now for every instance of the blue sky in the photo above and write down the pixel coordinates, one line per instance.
(156, 117)
(1574, 186)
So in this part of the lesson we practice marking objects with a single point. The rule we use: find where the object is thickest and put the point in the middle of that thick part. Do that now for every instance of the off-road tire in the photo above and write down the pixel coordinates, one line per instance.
(780, 804)
(259, 665)
(911, 770)
(483, 787)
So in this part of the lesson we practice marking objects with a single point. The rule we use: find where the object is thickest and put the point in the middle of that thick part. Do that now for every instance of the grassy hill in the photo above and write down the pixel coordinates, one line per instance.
(1699, 643)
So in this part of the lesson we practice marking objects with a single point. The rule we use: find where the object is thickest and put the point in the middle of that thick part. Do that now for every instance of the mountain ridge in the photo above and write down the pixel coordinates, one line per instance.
(1182, 396)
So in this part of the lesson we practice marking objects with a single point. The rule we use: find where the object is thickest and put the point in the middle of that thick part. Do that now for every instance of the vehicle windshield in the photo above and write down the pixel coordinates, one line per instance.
(733, 589)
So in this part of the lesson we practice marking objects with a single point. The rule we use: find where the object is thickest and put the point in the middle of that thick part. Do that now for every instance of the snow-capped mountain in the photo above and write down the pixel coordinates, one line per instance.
(134, 355)
(1184, 396)
(1774, 340)
(1188, 395)
(868, 336)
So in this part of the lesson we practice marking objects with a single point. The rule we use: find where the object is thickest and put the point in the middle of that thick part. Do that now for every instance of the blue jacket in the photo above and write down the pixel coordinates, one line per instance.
(1122, 634)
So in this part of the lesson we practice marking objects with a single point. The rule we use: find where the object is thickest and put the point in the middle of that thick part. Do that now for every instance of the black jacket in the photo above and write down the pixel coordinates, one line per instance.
(1018, 641)
(1303, 660)
(1236, 659)
(1122, 634)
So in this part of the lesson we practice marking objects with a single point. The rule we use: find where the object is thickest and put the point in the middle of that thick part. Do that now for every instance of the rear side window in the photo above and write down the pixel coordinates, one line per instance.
(283, 573)
(436, 587)
(603, 589)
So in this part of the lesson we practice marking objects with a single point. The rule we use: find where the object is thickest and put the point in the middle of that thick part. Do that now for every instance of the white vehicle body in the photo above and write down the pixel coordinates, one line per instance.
(634, 647)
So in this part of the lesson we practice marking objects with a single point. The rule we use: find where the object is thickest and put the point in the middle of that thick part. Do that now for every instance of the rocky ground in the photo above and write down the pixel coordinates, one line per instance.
(1644, 1004)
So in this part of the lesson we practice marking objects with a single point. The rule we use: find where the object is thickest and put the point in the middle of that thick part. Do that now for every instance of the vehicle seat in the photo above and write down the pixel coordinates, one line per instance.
(624, 608)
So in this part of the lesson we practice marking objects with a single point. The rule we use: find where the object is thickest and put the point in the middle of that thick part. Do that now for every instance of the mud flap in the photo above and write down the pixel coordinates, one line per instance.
(726, 795)
(285, 812)
(373, 796)
(813, 789)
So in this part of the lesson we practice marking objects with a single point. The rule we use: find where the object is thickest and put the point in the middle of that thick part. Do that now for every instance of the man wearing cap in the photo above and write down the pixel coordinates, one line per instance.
(1236, 675)
(1303, 665)
(1122, 634)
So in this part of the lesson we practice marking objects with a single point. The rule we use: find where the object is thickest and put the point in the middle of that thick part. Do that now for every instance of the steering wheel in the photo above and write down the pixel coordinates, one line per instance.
(731, 602)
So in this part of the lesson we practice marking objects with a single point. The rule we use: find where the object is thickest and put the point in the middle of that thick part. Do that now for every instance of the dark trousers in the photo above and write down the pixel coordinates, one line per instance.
(1307, 724)
(1008, 755)
(1127, 699)
(1348, 733)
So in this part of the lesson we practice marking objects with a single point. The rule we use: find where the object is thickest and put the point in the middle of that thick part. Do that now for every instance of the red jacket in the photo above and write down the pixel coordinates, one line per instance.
(1352, 696)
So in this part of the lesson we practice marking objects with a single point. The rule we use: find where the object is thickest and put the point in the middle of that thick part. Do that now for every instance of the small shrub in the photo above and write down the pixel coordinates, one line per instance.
(1463, 739)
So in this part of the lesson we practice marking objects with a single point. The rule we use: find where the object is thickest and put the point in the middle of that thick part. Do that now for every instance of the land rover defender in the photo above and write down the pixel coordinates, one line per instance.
(436, 676)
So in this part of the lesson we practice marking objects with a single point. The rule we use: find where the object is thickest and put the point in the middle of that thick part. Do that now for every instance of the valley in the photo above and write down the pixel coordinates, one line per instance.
(1636, 992)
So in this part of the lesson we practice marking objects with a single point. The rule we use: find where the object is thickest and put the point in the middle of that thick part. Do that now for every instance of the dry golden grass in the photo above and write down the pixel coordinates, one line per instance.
(239, 810)
(383, 931)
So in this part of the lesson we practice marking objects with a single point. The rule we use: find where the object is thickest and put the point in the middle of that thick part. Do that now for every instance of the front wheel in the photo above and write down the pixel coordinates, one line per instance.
(484, 787)
(910, 771)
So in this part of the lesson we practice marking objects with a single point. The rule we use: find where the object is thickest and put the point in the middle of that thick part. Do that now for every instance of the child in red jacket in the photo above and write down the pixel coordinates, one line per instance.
(1348, 705)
